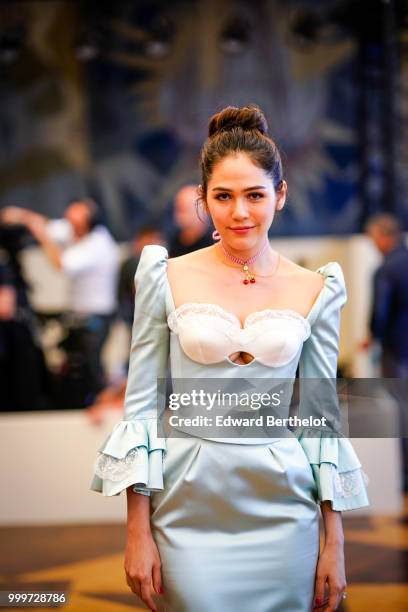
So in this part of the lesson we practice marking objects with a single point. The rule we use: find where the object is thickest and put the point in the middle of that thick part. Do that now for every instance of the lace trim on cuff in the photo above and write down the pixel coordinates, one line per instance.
(349, 484)
(111, 468)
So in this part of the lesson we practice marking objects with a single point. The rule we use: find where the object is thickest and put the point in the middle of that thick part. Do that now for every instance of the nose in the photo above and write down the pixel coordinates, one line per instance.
(239, 209)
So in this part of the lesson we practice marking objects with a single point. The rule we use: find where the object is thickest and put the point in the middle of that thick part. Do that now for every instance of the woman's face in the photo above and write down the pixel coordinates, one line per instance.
(240, 194)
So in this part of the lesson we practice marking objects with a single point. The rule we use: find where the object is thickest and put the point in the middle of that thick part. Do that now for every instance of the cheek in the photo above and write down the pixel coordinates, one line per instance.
(217, 212)
(265, 213)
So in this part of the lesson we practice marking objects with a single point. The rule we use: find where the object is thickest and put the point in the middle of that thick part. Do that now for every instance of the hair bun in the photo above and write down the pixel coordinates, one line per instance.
(246, 117)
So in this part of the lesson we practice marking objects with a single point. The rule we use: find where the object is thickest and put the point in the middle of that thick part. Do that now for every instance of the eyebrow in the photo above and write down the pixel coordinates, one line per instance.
(247, 189)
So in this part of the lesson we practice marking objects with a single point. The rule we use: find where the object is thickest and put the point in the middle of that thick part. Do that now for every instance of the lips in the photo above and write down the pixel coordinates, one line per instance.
(241, 229)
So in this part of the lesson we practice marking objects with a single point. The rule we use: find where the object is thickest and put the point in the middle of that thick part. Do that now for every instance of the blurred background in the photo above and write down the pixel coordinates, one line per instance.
(104, 107)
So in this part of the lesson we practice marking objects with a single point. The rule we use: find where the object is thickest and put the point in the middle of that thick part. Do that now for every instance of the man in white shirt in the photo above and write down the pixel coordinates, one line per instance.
(85, 250)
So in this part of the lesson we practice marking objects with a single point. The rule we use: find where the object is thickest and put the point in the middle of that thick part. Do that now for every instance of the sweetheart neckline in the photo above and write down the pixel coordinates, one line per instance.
(237, 320)
(297, 314)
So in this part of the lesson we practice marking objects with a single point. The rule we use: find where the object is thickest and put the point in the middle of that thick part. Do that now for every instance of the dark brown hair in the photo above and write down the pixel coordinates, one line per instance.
(235, 130)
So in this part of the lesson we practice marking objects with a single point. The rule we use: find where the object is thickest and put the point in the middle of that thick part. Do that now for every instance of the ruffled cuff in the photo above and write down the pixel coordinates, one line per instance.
(131, 455)
(336, 469)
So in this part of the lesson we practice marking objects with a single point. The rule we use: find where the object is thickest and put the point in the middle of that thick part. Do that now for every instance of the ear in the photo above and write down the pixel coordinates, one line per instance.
(200, 192)
(281, 195)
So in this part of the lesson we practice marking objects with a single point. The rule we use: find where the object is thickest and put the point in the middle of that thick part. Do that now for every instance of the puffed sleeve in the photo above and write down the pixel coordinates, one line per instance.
(337, 471)
(133, 453)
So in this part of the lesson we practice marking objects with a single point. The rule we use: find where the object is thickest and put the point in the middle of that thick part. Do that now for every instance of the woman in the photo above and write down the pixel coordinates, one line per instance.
(232, 524)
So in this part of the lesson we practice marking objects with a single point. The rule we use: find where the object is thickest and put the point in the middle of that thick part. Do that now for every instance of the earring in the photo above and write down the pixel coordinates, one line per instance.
(216, 235)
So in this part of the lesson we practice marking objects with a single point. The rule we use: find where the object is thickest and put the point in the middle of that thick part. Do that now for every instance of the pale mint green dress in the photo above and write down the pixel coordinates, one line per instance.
(236, 521)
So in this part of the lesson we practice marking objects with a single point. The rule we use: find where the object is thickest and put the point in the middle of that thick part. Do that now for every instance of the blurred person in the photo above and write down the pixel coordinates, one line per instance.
(110, 398)
(83, 248)
(24, 380)
(148, 234)
(389, 313)
(191, 232)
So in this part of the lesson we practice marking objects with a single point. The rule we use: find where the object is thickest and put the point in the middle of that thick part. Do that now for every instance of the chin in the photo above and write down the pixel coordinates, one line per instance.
(243, 244)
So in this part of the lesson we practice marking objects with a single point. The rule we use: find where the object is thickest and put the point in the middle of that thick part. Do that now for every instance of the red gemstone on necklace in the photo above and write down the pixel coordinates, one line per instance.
(252, 280)
(245, 281)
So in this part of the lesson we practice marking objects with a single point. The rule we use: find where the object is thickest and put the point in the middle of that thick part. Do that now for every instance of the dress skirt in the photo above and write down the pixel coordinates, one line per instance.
(237, 527)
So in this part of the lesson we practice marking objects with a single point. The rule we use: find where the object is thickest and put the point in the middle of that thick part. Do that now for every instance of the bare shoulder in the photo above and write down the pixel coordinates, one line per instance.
(310, 280)
(195, 259)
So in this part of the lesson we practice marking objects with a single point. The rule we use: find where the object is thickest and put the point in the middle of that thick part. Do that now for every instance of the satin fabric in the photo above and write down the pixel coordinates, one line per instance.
(237, 527)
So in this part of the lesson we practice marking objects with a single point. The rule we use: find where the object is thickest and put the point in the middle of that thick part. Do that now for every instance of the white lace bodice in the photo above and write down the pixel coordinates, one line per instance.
(209, 334)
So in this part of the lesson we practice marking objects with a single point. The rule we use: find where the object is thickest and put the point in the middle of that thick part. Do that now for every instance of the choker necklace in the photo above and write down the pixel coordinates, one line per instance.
(249, 276)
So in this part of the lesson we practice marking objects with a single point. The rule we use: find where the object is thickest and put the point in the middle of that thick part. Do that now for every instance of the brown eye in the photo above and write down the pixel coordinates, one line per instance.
(221, 198)
(259, 196)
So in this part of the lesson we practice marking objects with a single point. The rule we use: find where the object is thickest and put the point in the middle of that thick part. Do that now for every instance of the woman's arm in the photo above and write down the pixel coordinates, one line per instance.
(336, 468)
(331, 567)
(131, 458)
(333, 524)
(138, 512)
(142, 560)
(133, 453)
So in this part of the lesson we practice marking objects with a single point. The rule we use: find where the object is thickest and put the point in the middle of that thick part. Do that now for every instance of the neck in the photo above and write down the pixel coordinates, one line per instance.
(262, 263)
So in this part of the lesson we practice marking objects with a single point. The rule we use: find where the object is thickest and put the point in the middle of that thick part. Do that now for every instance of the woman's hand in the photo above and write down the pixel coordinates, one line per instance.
(143, 567)
(330, 570)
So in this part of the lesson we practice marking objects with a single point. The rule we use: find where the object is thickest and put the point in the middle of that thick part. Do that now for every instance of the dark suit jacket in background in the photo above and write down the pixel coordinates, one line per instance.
(389, 314)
